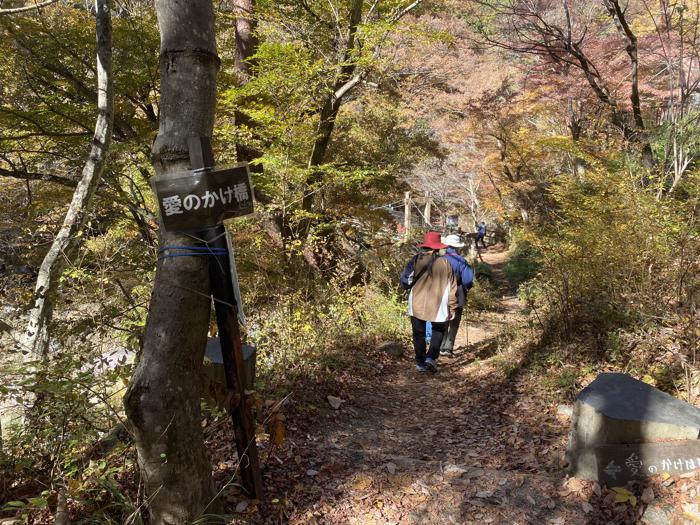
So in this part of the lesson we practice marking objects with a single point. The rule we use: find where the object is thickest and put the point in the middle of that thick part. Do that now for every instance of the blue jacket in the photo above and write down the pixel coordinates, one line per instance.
(481, 230)
(463, 273)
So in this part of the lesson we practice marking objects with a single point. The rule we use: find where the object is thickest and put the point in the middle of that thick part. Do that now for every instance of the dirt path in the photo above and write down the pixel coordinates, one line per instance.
(481, 441)
(466, 445)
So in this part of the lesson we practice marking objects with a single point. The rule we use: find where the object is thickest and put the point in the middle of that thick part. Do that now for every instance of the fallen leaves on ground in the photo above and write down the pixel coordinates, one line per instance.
(474, 443)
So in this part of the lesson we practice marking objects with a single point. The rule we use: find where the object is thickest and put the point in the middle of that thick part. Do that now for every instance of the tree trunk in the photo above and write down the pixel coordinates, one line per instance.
(344, 82)
(575, 122)
(36, 336)
(407, 216)
(246, 46)
(617, 13)
(428, 212)
(246, 38)
(163, 398)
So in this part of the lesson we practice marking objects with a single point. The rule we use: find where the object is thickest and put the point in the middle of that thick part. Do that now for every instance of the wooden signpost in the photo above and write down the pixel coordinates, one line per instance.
(199, 201)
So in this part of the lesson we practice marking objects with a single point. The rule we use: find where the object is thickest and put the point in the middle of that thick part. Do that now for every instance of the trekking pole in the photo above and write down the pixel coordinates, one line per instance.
(466, 318)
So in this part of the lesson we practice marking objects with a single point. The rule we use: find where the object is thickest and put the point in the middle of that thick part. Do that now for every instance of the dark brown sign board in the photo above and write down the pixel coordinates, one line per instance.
(618, 464)
(204, 197)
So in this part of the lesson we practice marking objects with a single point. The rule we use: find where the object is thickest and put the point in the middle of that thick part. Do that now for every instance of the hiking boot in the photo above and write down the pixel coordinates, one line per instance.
(431, 364)
(446, 352)
(421, 367)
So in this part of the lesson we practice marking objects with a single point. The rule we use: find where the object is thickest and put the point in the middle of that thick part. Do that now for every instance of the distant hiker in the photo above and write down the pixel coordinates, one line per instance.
(480, 234)
(465, 280)
(432, 297)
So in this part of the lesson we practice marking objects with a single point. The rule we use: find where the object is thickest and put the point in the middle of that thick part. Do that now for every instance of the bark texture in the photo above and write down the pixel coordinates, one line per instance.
(246, 38)
(246, 46)
(163, 398)
(36, 335)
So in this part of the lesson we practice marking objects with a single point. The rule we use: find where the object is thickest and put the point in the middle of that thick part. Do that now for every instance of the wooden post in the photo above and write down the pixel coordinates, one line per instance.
(428, 211)
(202, 157)
(407, 216)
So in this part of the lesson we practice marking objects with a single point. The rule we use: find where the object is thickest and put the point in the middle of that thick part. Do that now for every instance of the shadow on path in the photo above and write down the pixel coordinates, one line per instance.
(470, 444)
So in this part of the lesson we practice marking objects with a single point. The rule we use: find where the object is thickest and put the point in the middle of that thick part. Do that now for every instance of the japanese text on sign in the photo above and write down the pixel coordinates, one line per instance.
(619, 463)
(636, 468)
(174, 205)
(204, 198)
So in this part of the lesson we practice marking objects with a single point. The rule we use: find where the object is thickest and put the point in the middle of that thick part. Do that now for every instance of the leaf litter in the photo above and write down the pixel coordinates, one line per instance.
(478, 442)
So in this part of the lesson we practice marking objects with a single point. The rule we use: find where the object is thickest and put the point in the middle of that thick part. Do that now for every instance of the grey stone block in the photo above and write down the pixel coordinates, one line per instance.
(214, 363)
(392, 348)
(618, 409)
(657, 515)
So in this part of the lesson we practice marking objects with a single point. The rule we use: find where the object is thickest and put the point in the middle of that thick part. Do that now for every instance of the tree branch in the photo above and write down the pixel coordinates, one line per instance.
(314, 15)
(16, 10)
(398, 16)
(24, 175)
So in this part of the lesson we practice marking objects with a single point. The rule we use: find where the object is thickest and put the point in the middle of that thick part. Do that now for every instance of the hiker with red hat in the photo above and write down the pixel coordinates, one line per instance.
(432, 297)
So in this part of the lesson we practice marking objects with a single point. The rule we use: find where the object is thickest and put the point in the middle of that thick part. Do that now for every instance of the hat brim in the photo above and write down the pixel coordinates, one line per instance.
(435, 246)
(457, 241)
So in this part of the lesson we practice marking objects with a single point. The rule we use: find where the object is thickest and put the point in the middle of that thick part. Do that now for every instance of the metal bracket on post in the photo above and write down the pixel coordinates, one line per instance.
(202, 158)
(201, 153)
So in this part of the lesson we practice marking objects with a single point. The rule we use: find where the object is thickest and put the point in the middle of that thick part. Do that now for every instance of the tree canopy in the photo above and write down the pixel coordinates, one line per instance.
(571, 128)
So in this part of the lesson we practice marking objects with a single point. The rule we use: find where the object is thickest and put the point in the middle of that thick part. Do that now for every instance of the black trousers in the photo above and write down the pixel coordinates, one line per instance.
(448, 342)
(418, 326)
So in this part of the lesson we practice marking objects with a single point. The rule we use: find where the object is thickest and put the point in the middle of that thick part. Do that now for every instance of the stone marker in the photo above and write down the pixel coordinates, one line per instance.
(658, 514)
(334, 402)
(214, 363)
(617, 409)
(391, 348)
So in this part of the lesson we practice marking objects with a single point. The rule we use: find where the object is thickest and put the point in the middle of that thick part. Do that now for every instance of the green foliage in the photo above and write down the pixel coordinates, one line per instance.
(295, 335)
(48, 77)
(482, 18)
(523, 263)
(482, 296)
(296, 69)
(73, 399)
(483, 270)
(608, 254)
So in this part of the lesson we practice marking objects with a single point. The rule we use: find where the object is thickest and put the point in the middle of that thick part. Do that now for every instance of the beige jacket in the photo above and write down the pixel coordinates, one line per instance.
(434, 296)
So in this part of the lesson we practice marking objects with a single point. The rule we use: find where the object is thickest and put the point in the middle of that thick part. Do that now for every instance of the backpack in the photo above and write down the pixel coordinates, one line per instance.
(458, 275)
(408, 280)
(462, 263)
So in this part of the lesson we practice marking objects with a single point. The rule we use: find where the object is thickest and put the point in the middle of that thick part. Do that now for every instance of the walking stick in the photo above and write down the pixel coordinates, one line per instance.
(466, 318)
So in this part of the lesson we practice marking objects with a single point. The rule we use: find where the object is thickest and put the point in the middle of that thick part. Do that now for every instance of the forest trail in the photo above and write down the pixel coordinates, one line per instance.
(470, 444)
